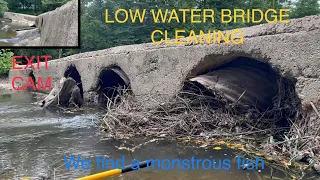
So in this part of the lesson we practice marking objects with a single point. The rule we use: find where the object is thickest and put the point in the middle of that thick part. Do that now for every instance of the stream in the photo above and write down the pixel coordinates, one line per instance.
(33, 143)
(9, 32)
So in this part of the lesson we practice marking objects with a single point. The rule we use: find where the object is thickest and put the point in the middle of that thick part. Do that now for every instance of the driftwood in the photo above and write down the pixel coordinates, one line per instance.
(65, 94)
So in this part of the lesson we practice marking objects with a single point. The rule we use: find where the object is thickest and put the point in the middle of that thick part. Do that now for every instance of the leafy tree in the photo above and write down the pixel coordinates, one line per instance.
(49, 5)
(5, 62)
(3, 7)
(306, 8)
(34, 7)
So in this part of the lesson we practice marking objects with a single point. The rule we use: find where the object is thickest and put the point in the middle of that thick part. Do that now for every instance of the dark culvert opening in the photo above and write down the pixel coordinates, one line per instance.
(73, 73)
(245, 86)
(112, 83)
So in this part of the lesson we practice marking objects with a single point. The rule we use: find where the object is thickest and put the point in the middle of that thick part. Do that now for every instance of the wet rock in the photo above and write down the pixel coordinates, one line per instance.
(5, 28)
(76, 96)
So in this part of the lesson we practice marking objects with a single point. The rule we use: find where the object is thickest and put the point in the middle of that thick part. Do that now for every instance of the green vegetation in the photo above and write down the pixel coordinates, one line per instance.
(3, 7)
(33, 7)
(5, 62)
(49, 5)
(306, 8)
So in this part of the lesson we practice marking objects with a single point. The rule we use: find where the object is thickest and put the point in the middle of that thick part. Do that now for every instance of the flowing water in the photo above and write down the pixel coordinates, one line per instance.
(8, 32)
(33, 143)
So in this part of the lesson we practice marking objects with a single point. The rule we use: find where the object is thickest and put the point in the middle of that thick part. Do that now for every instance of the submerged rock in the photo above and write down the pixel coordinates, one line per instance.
(5, 28)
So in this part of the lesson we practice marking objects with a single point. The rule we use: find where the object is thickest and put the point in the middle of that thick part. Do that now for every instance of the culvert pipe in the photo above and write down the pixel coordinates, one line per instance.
(243, 81)
(110, 80)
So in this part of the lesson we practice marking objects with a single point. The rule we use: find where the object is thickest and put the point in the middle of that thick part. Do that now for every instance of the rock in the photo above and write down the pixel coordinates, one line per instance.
(65, 94)
(20, 18)
(5, 28)
(76, 96)
(26, 38)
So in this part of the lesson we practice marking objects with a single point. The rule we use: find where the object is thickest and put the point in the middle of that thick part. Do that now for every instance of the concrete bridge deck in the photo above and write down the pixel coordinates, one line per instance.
(158, 71)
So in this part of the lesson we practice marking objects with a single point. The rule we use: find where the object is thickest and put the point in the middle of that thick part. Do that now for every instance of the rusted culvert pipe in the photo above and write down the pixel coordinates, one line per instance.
(248, 84)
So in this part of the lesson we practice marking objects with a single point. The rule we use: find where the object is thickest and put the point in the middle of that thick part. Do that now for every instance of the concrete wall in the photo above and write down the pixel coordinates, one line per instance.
(158, 71)
(59, 27)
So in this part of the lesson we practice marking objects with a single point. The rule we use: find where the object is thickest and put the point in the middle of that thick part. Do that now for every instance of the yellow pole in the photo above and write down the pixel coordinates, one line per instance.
(115, 171)
(102, 175)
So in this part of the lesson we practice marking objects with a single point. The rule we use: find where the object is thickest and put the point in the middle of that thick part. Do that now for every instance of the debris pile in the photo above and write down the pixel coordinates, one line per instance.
(240, 102)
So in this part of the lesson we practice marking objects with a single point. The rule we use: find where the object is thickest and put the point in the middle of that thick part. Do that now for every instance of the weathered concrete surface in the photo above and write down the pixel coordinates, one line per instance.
(59, 27)
(157, 72)
(22, 18)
